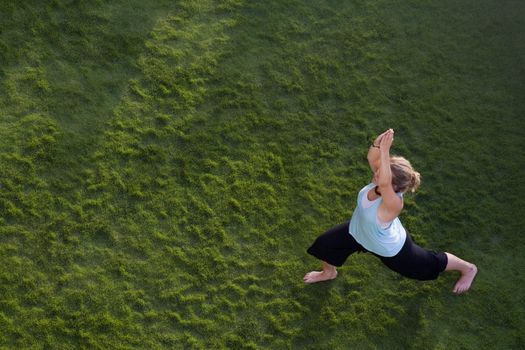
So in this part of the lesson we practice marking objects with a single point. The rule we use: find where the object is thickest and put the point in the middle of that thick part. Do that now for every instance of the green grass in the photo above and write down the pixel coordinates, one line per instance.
(164, 166)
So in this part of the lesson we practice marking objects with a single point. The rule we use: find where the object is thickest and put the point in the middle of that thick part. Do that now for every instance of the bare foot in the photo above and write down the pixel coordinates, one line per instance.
(464, 282)
(318, 276)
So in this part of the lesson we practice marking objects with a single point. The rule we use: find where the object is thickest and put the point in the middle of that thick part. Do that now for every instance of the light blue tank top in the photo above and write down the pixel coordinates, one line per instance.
(364, 227)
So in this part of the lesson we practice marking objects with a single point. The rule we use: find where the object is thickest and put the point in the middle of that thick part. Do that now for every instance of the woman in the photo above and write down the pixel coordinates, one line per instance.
(375, 227)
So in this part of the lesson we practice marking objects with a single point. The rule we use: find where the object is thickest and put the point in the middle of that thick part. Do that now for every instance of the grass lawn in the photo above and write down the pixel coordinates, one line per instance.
(165, 164)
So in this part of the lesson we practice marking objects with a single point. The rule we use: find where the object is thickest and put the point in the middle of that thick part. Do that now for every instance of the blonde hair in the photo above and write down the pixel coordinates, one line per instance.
(404, 177)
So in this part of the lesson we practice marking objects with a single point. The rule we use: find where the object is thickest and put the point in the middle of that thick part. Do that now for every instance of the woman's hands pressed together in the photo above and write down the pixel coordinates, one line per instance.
(381, 143)
(377, 141)
(387, 138)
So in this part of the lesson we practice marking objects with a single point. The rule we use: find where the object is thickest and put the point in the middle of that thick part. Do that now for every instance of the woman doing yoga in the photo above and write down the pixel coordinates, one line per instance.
(376, 228)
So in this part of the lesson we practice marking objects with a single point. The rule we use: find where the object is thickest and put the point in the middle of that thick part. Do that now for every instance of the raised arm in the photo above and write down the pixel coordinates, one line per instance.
(392, 204)
(374, 154)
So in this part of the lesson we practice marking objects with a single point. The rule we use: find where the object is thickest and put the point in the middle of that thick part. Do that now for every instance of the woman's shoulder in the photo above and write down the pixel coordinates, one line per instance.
(366, 188)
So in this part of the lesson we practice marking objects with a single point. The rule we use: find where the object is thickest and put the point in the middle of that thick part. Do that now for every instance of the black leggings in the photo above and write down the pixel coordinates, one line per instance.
(335, 246)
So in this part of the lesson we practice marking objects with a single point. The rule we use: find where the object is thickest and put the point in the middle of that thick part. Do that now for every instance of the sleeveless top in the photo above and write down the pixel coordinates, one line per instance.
(367, 231)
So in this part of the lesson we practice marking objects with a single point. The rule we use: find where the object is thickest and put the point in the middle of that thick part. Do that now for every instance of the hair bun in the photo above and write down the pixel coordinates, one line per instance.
(415, 180)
